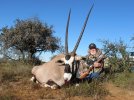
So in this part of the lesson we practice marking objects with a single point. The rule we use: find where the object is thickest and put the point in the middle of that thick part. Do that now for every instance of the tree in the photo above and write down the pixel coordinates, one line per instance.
(118, 56)
(30, 36)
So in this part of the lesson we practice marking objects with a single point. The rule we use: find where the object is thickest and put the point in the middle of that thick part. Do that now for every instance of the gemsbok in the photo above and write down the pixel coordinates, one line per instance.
(62, 68)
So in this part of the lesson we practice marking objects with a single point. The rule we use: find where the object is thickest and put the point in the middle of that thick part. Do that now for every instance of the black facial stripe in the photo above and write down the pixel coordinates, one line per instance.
(75, 67)
(67, 68)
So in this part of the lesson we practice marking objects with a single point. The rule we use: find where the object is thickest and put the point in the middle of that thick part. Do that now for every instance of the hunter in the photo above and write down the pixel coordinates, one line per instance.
(92, 68)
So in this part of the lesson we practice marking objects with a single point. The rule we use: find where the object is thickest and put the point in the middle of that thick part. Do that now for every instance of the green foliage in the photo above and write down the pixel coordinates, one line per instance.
(118, 56)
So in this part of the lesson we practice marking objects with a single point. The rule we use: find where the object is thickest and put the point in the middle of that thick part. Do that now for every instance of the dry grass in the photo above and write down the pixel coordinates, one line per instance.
(124, 80)
(95, 89)
(15, 84)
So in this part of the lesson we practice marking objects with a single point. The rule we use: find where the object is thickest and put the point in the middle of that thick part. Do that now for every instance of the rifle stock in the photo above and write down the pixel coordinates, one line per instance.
(83, 75)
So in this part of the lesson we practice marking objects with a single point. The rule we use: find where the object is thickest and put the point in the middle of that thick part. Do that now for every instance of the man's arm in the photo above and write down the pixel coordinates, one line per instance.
(97, 64)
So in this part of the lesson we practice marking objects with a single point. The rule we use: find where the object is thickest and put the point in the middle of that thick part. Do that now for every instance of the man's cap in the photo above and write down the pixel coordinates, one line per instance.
(92, 46)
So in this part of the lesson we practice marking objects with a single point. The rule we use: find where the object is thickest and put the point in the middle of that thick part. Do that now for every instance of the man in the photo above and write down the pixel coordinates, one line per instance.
(92, 67)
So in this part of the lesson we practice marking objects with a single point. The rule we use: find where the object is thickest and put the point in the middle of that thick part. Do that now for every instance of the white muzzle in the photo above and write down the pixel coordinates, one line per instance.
(67, 76)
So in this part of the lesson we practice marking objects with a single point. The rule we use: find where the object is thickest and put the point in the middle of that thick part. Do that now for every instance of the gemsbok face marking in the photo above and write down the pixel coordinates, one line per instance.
(68, 67)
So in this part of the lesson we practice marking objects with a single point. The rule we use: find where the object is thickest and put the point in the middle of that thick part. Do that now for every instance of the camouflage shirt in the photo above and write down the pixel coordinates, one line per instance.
(91, 58)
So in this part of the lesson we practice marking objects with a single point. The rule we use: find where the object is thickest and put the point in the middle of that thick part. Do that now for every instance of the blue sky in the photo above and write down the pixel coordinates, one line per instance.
(109, 20)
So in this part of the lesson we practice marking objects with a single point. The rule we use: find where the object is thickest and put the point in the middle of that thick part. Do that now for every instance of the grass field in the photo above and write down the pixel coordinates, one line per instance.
(15, 84)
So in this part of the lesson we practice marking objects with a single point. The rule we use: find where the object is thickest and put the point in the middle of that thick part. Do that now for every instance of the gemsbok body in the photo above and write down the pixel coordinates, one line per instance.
(62, 68)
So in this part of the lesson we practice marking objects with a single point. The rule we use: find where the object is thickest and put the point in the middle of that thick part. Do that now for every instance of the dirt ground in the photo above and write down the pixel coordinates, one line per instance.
(34, 92)
(117, 93)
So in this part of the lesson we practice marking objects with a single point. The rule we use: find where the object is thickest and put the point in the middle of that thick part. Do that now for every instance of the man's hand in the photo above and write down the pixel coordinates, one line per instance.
(83, 75)
(96, 64)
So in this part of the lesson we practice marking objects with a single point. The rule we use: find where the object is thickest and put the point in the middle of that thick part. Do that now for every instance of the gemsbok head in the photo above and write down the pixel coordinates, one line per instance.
(70, 59)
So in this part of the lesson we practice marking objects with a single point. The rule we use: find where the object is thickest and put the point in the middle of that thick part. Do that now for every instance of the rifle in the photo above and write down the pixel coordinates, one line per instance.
(91, 65)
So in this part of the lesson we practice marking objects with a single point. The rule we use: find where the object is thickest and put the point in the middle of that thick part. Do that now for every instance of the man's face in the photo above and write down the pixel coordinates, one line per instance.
(92, 51)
